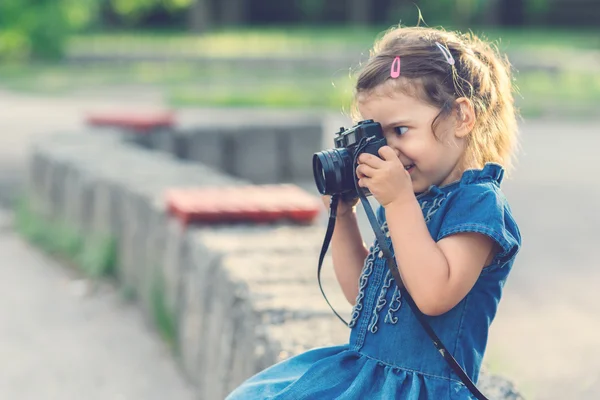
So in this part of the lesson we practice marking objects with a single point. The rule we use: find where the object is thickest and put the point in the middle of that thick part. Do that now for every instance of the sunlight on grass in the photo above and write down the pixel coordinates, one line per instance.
(249, 43)
(233, 85)
(218, 81)
(296, 41)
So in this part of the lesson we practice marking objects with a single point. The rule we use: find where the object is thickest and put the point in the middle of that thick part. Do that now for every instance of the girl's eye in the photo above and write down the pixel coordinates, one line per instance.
(400, 130)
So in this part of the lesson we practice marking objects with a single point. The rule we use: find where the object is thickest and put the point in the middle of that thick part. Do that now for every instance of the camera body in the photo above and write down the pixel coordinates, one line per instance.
(334, 170)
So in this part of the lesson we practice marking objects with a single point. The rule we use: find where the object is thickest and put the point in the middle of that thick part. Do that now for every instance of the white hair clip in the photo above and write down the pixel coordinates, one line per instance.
(446, 53)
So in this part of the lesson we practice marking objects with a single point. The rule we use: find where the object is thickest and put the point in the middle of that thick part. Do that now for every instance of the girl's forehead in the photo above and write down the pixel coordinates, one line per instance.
(389, 102)
(389, 93)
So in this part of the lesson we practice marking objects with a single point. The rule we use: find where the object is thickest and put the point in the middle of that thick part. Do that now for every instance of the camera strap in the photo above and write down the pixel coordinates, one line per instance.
(328, 234)
(393, 267)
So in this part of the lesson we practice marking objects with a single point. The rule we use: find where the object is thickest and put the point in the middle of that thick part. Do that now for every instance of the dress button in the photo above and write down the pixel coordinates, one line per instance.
(380, 254)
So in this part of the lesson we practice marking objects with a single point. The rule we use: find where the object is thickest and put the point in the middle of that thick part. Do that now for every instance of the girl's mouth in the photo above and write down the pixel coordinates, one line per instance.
(409, 168)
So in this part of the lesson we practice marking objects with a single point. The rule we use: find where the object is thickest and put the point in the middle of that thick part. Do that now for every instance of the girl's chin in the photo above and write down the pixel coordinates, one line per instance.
(419, 187)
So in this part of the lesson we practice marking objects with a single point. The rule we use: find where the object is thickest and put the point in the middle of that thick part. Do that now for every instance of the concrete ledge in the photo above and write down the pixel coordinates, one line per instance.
(232, 300)
(263, 148)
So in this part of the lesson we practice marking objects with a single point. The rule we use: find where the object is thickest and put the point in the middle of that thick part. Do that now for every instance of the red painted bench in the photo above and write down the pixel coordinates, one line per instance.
(140, 122)
(250, 204)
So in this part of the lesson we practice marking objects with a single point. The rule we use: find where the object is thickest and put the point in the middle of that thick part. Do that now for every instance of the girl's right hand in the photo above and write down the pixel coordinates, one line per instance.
(345, 207)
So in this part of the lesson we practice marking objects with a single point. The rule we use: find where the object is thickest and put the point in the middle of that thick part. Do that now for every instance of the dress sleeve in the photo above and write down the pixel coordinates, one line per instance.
(482, 208)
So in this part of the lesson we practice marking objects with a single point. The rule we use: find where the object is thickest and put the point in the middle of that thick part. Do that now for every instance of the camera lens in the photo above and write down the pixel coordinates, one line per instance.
(333, 171)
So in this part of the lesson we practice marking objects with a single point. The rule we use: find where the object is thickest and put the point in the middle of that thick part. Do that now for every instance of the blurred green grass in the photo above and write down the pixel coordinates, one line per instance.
(558, 93)
(545, 91)
(296, 41)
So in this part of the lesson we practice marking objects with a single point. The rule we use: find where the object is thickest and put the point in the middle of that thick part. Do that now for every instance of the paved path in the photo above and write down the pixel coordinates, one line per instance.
(545, 336)
(58, 339)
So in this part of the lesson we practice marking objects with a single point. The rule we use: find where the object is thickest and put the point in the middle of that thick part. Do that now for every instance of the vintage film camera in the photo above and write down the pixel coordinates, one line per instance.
(335, 169)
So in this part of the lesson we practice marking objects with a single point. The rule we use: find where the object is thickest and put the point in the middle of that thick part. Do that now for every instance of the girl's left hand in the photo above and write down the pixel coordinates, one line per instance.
(385, 177)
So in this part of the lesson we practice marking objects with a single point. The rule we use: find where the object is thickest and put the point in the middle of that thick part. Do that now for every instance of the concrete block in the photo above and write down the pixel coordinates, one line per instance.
(85, 205)
(196, 263)
(35, 169)
(128, 242)
(162, 139)
(160, 271)
(262, 151)
(246, 343)
(205, 146)
(302, 142)
(137, 138)
(79, 200)
(45, 192)
(255, 155)
(148, 275)
(200, 291)
(57, 189)
(218, 355)
(71, 193)
(142, 269)
(104, 214)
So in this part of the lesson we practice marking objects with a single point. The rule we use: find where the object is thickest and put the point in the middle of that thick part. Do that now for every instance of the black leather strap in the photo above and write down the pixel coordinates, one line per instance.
(326, 241)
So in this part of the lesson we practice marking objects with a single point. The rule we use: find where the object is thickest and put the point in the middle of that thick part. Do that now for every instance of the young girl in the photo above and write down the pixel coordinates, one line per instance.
(444, 102)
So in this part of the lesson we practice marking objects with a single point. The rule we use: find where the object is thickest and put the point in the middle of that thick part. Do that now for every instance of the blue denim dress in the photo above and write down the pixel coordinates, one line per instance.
(389, 356)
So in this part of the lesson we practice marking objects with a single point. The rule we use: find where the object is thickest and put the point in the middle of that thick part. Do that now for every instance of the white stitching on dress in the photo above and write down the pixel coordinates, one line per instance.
(435, 205)
(381, 300)
(394, 306)
(363, 280)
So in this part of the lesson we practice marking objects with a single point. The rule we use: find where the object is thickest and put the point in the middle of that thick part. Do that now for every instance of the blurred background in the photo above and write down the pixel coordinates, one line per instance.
(62, 58)
(215, 53)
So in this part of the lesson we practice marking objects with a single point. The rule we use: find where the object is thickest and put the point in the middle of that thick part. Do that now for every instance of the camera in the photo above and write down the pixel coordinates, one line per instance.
(335, 169)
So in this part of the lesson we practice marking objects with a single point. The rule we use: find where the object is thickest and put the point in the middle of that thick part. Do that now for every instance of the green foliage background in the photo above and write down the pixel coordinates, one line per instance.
(39, 29)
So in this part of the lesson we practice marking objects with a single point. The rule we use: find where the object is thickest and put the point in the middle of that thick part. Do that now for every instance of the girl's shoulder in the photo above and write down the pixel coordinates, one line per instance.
(478, 191)
(477, 204)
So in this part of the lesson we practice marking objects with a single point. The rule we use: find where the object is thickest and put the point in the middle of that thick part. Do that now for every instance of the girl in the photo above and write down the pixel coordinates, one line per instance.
(444, 102)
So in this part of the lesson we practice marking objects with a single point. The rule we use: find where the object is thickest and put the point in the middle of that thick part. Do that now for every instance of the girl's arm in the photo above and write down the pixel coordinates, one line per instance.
(437, 275)
(348, 253)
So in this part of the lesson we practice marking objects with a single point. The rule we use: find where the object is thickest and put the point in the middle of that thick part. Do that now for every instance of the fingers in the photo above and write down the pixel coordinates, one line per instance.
(370, 160)
(364, 171)
(387, 153)
(364, 182)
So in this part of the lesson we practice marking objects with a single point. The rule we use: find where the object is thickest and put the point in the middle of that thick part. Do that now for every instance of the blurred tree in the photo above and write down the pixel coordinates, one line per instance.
(512, 12)
(134, 11)
(233, 12)
(39, 29)
(203, 15)
(200, 16)
(312, 10)
(409, 12)
(359, 12)
(536, 10)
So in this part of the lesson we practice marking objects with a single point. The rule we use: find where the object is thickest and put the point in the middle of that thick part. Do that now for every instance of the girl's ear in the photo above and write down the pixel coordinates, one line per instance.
(465, 117)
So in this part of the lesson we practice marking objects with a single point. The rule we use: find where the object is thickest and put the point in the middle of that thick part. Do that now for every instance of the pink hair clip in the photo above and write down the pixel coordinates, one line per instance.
(395, 70)
(446, 53)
